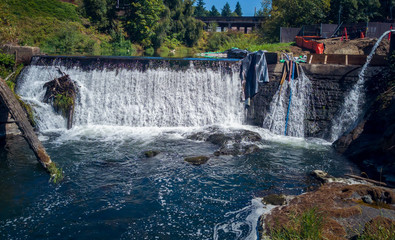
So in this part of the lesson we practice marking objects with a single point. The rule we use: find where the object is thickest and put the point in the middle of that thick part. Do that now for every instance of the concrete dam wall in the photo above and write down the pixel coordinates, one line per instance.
(330, 84)
(211, 97)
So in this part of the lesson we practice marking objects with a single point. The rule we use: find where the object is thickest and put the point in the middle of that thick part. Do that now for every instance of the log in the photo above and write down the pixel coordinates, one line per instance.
(366, 179)
(24, 125)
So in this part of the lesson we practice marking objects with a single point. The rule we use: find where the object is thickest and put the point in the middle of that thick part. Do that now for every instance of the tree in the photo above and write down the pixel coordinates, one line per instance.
(238, 9)
(352, 11)
(214, 12)
(303, 12)
(100, 12)
(142, 19)
(200, 10)
(226, 12)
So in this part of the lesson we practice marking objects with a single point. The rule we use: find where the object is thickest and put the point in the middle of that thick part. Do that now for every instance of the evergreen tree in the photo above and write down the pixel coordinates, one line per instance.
(214, 12)
(226, 12)
(238, 9)
(200, 10)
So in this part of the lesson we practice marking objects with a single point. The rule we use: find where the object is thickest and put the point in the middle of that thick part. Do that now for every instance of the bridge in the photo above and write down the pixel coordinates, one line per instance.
(245, 24)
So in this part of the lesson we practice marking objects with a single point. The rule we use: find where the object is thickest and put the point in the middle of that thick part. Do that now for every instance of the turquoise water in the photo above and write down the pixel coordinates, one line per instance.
(112, 191)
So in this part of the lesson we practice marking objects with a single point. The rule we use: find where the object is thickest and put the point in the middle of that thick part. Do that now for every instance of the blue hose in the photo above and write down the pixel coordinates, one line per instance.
(290, 99)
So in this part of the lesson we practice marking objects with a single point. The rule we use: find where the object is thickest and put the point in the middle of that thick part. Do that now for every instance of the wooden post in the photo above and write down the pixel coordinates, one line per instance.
(24, 125)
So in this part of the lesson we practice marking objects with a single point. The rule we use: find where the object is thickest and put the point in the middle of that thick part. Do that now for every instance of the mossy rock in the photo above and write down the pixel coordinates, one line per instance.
(274, 199)
(199, 160)
(151, 153)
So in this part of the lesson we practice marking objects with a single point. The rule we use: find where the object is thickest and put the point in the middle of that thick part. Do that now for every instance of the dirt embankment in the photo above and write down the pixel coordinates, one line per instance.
(355, 47)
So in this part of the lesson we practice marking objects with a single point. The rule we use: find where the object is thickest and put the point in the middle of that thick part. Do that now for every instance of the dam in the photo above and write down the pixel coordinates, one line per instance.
(178, 108)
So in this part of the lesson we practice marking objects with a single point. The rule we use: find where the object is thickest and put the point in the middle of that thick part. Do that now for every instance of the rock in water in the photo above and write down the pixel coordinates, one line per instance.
(199, 160)
(151, 153)
(61, 93)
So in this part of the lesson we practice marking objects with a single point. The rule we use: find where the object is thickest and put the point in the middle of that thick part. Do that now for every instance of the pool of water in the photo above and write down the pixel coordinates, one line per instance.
(112, 191)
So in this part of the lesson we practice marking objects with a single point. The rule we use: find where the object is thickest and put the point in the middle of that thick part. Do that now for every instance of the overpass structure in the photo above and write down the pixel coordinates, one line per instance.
(245, 24)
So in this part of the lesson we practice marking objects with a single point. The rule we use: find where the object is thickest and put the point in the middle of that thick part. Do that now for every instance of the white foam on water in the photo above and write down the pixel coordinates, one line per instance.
(245, 217)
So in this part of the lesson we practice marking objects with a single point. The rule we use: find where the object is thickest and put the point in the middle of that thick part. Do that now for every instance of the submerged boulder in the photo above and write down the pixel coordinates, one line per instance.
(236, 142)
(199, 160)
(151, 153)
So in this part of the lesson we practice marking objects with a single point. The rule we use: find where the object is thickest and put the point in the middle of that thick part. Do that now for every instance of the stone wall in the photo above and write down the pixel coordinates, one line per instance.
(23, 54)
(330, 85)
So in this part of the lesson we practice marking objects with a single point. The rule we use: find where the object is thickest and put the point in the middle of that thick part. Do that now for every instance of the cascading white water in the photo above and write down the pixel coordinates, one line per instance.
(275, 119)
(354, 101)
(161, 97)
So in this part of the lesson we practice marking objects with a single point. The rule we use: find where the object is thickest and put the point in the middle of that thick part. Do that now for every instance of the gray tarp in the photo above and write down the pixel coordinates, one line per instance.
(253, 70)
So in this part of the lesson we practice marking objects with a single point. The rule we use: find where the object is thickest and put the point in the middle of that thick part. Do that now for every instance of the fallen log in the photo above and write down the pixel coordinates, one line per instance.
(366, 179)
(27, 130)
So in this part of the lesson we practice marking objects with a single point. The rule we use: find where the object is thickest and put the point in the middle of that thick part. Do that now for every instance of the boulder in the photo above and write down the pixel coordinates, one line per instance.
(199, 160)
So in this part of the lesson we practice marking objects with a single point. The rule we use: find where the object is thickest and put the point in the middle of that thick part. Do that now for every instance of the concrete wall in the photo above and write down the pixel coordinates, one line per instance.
(22, 54)
(330, 85)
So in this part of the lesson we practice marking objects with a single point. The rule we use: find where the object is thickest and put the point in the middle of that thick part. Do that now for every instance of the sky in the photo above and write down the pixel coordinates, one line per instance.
(247, 6)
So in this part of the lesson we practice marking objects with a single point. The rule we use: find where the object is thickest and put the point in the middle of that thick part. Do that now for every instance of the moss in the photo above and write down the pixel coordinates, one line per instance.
(28, 109)
(379, 228)
(63, 103)
(55, 172)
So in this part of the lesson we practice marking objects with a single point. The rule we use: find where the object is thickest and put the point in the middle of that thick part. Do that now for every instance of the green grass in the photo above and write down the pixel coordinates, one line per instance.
(307, 226)
(54, 26)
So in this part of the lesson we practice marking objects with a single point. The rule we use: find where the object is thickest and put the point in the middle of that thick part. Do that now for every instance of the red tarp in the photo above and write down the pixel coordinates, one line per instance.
(310, 44)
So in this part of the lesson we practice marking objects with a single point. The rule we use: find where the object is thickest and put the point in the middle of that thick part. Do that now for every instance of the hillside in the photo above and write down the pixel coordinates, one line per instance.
(52, 25)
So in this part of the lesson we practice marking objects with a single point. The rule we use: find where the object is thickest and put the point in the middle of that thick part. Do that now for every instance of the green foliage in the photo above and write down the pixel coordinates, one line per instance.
(307, 226)
(142, 18)
(100, 12)
(352, 11)
(302, 12)
(55, 172)
(63, 103)
(238, 10)
(226, 12)
(7, 63)
(214, 12)
(68, 41)
(150, 51)
(251, 42)
(200, 10)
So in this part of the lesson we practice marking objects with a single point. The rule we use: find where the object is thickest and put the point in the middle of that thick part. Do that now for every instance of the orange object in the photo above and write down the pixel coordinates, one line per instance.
(362, 35)
(310, 44)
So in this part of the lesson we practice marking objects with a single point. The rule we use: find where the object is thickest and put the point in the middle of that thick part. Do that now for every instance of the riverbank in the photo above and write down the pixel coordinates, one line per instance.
(343, 209)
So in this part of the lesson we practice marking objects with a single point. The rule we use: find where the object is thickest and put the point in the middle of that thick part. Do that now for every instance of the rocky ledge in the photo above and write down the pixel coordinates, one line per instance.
(339, 210)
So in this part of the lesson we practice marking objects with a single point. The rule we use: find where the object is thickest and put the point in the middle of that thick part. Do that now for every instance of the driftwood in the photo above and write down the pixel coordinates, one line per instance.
(61, 94)
(24, 125)
(366, 179)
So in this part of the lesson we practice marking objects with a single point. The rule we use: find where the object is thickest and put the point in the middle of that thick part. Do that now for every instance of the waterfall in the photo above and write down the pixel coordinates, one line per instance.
(275, 119)
(352, 107)
(163, 96)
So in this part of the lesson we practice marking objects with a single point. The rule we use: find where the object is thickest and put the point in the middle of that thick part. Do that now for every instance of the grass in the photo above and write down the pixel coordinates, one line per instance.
(378, 232)
(307, 226)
